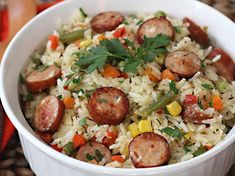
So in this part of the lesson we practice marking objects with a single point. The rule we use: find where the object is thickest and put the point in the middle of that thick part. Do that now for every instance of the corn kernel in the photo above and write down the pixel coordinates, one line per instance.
(133, 128)
(188, 135)
(160, 59)
(145, 126)
(174, 108)
(85, 43)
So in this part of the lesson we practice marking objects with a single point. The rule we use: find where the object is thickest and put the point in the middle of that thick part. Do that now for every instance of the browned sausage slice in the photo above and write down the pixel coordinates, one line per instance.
(94, 151)
(196, 33)
(108, 105)
(184, 63)
(192, 113)
(225, 65)
(40, 80)
(106, 21)
(155, 26)
(149, 150)
(48, 114)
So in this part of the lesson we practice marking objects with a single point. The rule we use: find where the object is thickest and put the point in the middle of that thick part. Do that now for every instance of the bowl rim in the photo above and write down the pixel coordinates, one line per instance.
(87, 167)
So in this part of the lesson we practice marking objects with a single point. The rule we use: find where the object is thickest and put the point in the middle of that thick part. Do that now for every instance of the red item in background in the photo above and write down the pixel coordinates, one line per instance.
(46, 5)
(3, 24)
(8, 132)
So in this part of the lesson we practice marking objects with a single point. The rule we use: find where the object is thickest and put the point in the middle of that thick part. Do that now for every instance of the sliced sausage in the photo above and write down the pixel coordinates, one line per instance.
(155, 26)
(94, 151)
(47, 137)
(149, 150)
(106, 21)
(197, 33)
(184, 63)
(40, 80)
(193, 113)
(48, 114)
(108, 105)
(225, 65)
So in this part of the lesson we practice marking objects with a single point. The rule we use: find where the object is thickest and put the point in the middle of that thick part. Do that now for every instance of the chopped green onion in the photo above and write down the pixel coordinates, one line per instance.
(67, 82)
(75, 68)
(187, 149)
(69, 148)
(174, 133)
(200, 104)
(59, 96)
(82, 12)
(125, 22)
(200, 151)
(72, 36)
(161, 103)
(89, 92)
(222, 86)
(159, 14)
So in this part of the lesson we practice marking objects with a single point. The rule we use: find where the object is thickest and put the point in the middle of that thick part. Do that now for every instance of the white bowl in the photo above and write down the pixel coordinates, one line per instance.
(45, 161)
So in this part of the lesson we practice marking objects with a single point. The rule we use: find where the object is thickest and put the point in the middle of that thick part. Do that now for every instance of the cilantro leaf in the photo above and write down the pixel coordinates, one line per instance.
(131, 66)
(200, 151)
(174, 133)
(173, 87)
(95, 59)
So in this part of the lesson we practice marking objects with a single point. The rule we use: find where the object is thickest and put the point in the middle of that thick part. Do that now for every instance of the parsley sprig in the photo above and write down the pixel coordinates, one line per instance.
(133, 56)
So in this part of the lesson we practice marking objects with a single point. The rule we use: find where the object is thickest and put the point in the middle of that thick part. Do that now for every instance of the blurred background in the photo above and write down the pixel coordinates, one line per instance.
(13, 15)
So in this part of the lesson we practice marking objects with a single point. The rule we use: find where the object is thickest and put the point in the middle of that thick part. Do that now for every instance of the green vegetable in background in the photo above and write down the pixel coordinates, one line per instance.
(72, 36)
(174, 133)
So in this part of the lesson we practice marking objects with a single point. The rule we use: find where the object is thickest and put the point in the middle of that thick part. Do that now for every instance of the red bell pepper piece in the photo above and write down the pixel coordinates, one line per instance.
(190, 99)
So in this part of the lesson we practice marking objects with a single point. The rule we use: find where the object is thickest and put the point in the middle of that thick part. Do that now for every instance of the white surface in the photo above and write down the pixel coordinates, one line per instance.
(44, 160)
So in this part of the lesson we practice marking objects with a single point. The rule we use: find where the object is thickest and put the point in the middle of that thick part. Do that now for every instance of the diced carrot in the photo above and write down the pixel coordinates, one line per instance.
(110, 138)
(217, 103)
(55, 147)
(78, 141)
(110, 71)
(69, 102)
(101, 37)
(54, 41)
(47, 137)
(120, 32)
(167, 74)
(208, 146)
(148, 72)
(118, 158)
(7, 133)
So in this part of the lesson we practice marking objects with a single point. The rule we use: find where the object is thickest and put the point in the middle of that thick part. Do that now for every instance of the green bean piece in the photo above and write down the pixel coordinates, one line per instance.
(161, 103)
(69, 148)
(159, 14)
(222, 86)
(72, 36)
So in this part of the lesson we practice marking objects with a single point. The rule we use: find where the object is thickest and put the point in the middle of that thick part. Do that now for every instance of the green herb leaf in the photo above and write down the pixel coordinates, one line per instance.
(83, 121)
(200, 151)
(210, 104)
(200, 104)
(28, 97)
(139, 22)
(207, 86)
(69, 148)
(89, 157)
(95, 60)
(187, 149)
(174, 133)
(177, 29)
(83, 12)
(131, 66)
(59, 96)
(173, 87)
(76, 80)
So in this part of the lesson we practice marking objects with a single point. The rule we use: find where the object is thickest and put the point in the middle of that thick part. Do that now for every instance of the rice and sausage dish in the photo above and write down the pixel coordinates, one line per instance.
(129, 91)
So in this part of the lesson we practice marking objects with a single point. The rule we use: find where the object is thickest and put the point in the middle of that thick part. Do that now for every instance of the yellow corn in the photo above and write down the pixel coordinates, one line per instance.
(145, 126)
(174, 108)
(133, 128)
(188, 135)
(160, 59)
(85, 43)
